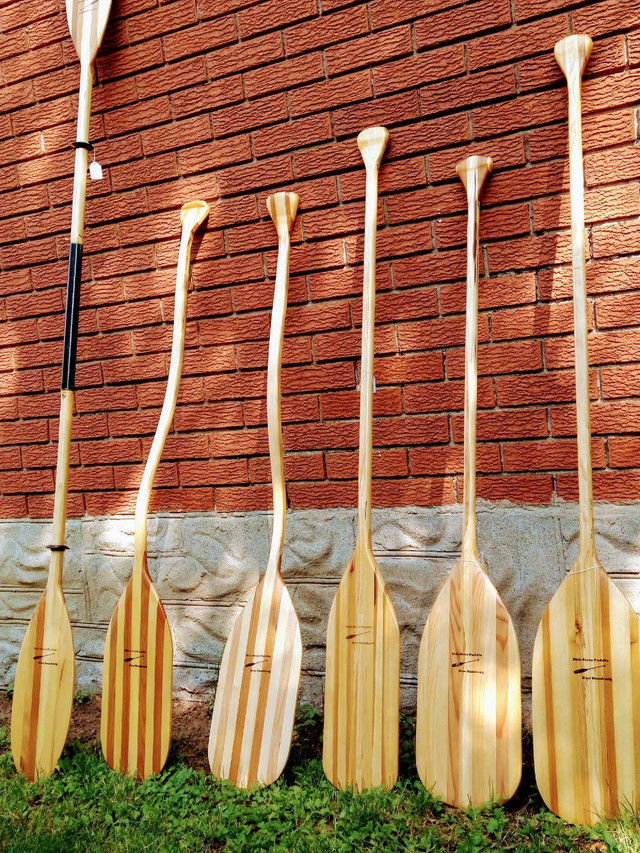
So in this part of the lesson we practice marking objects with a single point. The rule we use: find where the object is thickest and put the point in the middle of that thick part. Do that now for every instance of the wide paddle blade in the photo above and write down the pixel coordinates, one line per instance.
(43, 688)
(87, 20)
(135, 726)
(586, 700)
(468, 736)
(361, 693)
(255, 704)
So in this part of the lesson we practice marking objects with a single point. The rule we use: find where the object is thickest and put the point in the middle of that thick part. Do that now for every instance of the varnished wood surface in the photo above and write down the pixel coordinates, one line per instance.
(586, 658)
(468, 733)
(255, 701)
(87, 20)
(362, 681)
(135, 726)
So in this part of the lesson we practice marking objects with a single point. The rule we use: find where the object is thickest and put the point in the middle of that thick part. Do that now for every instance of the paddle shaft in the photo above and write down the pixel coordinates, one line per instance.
(572, 55)
(189, 225)
(372, 143)
(71, 327)
(282, 209)
(473, 172)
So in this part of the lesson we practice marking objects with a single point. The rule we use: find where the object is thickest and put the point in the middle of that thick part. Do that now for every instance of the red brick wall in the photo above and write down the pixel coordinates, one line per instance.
(231, 99)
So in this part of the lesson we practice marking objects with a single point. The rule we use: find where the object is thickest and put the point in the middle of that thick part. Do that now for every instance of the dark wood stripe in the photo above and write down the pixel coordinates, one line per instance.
(126, 681)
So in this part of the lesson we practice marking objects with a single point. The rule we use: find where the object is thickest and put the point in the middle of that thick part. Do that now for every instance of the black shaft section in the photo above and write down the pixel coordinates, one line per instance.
(71, 317)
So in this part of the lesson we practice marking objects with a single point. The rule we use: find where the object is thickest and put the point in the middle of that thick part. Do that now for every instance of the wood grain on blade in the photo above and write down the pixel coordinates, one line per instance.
(87, 20)
(257, 690)
(43, 689)
(361, 705)
(586, 700)
(135, 727)
(468, 738)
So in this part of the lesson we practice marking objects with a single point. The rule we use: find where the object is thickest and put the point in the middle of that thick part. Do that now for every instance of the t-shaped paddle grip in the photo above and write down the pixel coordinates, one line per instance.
(573, 52)
(282, 209)
(193, 214)
(479, 166)
(372, 143)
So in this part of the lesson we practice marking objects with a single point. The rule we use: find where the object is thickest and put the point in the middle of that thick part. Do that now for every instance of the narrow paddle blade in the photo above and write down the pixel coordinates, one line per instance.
(255, 701)
(468, 738)
(361, 694)
(43, 689)
(135, 727)
(87, 20)
(586, 700)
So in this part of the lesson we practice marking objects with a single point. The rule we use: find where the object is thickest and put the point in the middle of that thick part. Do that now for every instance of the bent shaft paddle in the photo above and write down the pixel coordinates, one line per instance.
(362, 681)
(255, 701)
(135, 725)
(43, 690)
(468, 734)
(586, 657)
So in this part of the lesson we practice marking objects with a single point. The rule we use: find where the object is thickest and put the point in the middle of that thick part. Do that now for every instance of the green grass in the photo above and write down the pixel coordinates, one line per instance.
(85, 808)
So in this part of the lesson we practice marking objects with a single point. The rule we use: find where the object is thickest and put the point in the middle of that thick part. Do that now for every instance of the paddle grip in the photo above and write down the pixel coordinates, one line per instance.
(71, 317)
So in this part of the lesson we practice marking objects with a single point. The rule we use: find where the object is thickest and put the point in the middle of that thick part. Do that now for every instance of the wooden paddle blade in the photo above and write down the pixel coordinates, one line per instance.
(255, 702)
(43, 688)
(362, 681)
(586, 701)
(87, 20)
(135, 725)
(468, 736)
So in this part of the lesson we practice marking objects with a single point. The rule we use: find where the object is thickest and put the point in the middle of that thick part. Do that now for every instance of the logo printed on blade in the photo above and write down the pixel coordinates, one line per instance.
(45, 653)
(253, 662)
(135, 655)
(468, 658)
(594, 664)
(358, 632)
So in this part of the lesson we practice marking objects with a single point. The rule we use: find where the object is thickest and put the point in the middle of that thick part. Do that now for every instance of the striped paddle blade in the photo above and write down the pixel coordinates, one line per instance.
(135, 727)
(586, 700)
(362, 681)
(255, 700)
(468, 733)
(43, 690)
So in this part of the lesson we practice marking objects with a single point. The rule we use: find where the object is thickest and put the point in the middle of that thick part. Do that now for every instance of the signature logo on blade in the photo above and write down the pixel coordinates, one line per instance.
(468, 659)
(135, 655)
(594, 664)
(45, 653)
(358, 632)
(258, 663)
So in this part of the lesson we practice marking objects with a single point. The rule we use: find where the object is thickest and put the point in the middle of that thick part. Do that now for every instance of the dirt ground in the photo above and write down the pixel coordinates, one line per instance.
(190, 726)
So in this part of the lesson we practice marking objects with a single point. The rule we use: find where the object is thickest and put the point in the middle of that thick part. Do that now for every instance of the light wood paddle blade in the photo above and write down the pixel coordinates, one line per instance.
(135, 725)
(257, 690)
(586, 656)
(255, 701)
(361, 694)
(468, 737)
(362, 681)
(87, 20)
(468, 733)
(43, 688)
(586, 700)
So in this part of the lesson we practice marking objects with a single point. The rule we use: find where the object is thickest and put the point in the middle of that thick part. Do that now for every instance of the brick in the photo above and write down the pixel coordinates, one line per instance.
(601, 204)
(438, 332)
(605, 348)
(517, 43)
(330, 93)
(303, 466)
(299, 408)
(326, 30)
(511, 220)
(273, 15)
(387, 12)
(532, 321)
(598, 131)
(449, 459)
(455, 24)
(522, 253)
(385, 463)
(620, 381)
(190, 41)
(131, 60)
(607, 485)
(501, 426)
(549, 455)
(615, 238)
(434, 65)
(345, 405)
(330, 346)
(492, 293)
(532, 488)
(358, 52)
(291, 135)
(505, 152)
(445, 396)
(605, 17)
(502, 358)
(541, 388)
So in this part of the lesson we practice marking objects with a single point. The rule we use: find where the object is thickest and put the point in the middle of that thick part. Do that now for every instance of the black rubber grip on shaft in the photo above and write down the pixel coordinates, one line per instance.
(71, 317)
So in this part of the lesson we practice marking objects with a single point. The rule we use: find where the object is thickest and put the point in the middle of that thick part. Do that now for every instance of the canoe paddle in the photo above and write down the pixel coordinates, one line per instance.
(135, 725)
(255, 701)
(43, 688)
(586, 657)
(362, 681)
(468, 732)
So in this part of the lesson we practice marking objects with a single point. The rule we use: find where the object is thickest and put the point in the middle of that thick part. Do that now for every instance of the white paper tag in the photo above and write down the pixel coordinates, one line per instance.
(95, 171)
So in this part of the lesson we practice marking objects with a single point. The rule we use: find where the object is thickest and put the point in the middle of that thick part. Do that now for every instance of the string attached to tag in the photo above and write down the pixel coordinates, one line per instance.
(95, 169)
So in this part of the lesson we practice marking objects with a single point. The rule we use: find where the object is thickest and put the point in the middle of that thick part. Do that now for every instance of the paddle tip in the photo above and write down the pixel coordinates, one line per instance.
(573, 51)
(194, 214)
(282, 209)
(372, 142)
(474, 165)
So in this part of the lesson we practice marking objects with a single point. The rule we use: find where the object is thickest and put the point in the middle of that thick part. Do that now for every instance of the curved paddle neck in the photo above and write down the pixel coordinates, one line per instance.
(192, 215)
(372, 143)
(472, 172)
(572, 54)
(282, 208)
